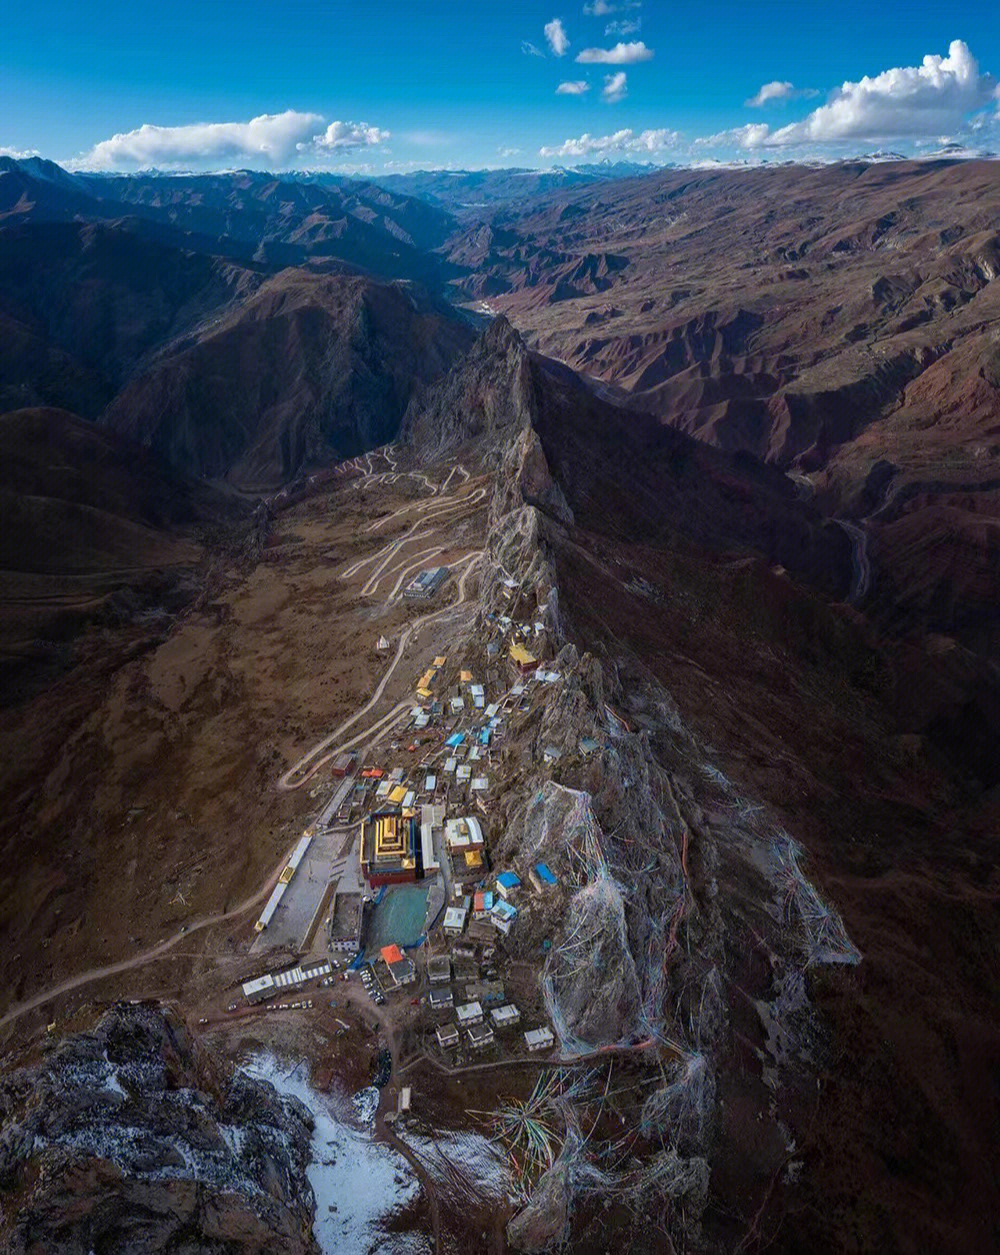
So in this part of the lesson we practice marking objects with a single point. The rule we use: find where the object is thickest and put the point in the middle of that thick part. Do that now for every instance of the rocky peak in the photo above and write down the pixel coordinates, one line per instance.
(501, 337)
(488, 395)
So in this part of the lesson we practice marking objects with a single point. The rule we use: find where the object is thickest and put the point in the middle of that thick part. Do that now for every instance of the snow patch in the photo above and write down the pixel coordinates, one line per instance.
(358, 1183)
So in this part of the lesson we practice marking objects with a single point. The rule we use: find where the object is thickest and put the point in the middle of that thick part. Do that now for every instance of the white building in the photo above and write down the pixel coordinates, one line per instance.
(505, 1017)
(454, 920)
(464, 834)
(539, 1038)
(447, 1036)
(469, 1013)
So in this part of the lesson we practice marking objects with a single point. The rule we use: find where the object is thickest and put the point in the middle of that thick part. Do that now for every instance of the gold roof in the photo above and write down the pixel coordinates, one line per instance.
(390, 837)
(521, 656)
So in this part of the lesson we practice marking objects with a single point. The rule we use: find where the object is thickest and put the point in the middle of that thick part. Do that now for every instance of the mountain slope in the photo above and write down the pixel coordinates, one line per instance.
(661, 481)
(838, 322)
(96, 532)
(311, 369)
(83, 304)
(330, 222)
(785, 824)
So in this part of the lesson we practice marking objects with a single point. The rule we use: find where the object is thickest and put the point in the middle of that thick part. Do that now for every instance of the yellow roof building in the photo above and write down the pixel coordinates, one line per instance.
(521, 656)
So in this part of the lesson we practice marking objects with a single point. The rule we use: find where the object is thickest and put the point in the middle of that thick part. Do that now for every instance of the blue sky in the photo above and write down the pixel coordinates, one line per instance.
(397, 85)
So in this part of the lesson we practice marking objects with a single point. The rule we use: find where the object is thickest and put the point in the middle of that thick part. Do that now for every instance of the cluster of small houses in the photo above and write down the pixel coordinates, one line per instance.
(409, 835)
(484, 1012)
(495, 907)
(405, 835)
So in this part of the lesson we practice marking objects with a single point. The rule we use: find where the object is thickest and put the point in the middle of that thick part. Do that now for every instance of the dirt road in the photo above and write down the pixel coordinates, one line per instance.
(146, 956)
(294, 778)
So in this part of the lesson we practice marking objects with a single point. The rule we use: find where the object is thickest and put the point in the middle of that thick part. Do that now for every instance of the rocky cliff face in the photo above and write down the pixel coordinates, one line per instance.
(127, 1138)
(487, 396)
(576, 449)
(640, 929)
(713, 897)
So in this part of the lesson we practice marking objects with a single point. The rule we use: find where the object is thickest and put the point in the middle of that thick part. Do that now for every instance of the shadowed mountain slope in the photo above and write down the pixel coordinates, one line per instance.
(275, 220)
(310, 370)
(83, 304)
(839, 322)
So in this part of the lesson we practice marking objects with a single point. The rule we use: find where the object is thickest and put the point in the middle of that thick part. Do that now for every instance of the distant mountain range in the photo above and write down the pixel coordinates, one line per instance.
(180, 292)
(248, 216)
(468, 192)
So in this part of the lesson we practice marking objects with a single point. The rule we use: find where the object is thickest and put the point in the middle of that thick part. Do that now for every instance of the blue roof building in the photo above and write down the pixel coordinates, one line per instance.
(507, 882)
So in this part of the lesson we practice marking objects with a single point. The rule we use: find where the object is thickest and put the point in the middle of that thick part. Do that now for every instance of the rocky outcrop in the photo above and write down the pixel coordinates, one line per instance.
(591, 979)
(542, 1225)
(487, 396)
(128, 1139)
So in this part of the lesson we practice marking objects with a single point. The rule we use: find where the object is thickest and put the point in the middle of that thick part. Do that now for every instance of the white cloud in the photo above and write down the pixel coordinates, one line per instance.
(655, 141)
(529, 49)
(623, 26)
(621, 141)
(934, 97)
(770, 91)
(588, 145)
(575, 88)
(620, 54)
(941, 96)
(601, 8)
(19, 154)
(508, 152)
(615, 87)
(349, 135)
(557, 37)
(274, 138)
(752, 135)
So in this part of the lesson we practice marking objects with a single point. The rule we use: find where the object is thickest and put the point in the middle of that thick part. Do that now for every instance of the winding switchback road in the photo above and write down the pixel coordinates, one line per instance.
(293, 777)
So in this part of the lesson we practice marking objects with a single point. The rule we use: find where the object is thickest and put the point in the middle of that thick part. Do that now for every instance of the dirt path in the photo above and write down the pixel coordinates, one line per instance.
(293, 778)
(146, 956)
